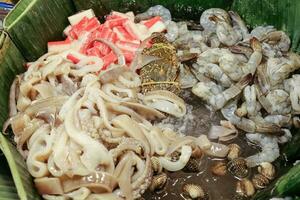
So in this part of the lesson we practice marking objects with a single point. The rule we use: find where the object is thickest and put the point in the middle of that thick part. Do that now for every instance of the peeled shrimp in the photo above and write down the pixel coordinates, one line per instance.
(225, 32)
(209, 25)
(215, 96)
(157, 10)
(293, 88)
(248, 125)
(250, 99)
(239, 25)
(278, 39)
(236, 69)
(278, 69)
(269, 149)
(213, 71)
(261, 32)
(172, 31)
(280, 120)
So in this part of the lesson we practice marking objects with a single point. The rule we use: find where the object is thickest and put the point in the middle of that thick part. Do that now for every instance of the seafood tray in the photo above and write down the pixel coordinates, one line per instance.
(199, 113)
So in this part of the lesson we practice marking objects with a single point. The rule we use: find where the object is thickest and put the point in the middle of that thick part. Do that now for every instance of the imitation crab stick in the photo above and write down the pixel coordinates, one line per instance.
(59, 46)
(74, 19)
(151, 22)
(119, 31)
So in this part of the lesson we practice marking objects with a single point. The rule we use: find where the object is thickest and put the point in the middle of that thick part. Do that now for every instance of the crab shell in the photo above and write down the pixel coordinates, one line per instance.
(160, 74)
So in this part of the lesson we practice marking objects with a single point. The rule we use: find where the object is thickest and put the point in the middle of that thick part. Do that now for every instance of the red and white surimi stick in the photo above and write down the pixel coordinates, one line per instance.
(59, 46)
(74, 19)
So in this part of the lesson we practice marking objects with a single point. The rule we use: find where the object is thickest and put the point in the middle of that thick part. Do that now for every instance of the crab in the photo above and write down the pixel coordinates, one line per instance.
(160, 74)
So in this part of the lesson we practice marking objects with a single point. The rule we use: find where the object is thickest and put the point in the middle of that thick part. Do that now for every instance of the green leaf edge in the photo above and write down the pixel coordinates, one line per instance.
(9, 150)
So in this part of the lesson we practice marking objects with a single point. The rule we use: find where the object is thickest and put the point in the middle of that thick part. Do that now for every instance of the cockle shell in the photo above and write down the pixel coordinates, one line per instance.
(238, 167)
(158, 182)
(156, 165)
(245, 188)
(194, 191)
(219, 168)
(260, 181)
(267, 169)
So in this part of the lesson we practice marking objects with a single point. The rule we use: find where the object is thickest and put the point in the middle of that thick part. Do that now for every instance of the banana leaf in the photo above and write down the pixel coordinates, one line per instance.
(7, 186)
(183, 9)
(33, 22)
(11, 63)
(21, 177)
(283, 14)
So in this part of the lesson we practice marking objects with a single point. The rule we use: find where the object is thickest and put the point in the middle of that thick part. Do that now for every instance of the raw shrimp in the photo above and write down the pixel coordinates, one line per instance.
(186, 78)
(280, 120)
(214, 94)
(278, 39)
(172, 31)
(269, 51)
(212, 71)
(278, 69)
(269, 149)
(235, 69)
(286, 137)
(209, 25)
(293, 85)
(262, 80)
(260, 32)
(248, 125)
(192, 41)
(250, 100)
(280, 102)
(239, 25)
(276, 101)
(213, 40)
(213, 55)
(157, 10)
(240, 49)
(225, 32)
(182, 28)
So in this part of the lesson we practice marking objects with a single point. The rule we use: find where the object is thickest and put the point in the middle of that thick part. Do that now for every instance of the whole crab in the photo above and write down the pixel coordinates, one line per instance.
(161, 74)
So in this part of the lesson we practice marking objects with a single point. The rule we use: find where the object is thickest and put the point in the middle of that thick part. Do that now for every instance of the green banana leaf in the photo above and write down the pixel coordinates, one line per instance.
(7, 187)
(21, 177)
(11, 63)
(283, 14)
(34, 22)
(183, 9)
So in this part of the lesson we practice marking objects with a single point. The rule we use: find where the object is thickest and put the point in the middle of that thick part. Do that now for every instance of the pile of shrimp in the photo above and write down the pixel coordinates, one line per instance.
(246, 74)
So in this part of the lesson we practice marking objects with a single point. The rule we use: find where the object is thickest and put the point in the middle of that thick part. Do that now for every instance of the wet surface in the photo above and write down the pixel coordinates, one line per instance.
(198, 121)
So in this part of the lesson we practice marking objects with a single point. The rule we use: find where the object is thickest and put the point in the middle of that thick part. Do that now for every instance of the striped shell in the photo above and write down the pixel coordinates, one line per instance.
(245, 188)
(156, 165)
(238, 167)
(158, 182)
(239, 197)
(193, 166)
(219, 169)
(194, 191)
(267, 169)
(260, 181)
